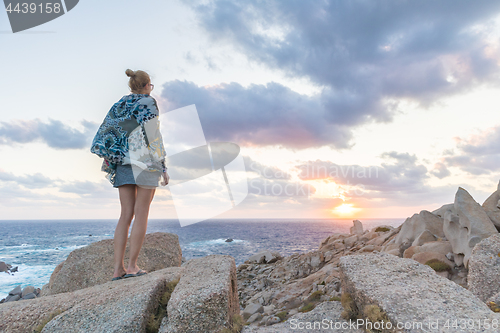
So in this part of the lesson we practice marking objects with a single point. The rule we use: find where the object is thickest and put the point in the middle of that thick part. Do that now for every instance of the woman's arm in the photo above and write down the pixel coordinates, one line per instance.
(154, 139)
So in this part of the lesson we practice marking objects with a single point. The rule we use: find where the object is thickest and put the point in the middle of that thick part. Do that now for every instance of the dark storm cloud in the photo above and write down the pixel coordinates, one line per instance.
(54, 133)
(366, 55)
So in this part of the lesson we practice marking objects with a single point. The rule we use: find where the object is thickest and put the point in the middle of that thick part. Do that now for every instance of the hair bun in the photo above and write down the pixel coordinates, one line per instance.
(130, 73)
(138, 80)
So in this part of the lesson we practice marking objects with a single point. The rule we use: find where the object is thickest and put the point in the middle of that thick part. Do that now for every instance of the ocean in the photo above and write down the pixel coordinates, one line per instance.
(38, 246)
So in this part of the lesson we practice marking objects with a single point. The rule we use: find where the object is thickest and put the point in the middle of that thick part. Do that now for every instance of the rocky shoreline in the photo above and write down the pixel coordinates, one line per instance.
(438, 265)
(452, 240)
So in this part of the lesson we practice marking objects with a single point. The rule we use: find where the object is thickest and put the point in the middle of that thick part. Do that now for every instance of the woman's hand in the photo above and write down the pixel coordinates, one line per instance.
(166, 178)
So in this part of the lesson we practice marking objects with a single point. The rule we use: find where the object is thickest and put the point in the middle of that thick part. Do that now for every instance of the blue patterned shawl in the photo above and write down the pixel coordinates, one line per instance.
(130, 134)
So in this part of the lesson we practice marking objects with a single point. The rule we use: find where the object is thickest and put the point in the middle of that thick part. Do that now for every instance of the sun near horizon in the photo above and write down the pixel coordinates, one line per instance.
(346, 210)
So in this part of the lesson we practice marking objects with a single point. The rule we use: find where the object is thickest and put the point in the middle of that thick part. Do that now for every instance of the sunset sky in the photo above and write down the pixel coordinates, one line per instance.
(373, 109)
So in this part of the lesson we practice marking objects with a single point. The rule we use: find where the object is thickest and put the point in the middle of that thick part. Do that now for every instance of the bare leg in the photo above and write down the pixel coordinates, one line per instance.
(127, 200)
(141, 209)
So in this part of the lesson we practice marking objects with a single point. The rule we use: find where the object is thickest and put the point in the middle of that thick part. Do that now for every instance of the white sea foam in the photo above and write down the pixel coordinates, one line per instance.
(106, 236)
(60, 248)
(35, 276)
(18, 246)
(212, 242)
(25, 249)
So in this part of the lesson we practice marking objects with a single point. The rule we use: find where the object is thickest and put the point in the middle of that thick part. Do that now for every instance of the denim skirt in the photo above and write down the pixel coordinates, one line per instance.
(125, 175)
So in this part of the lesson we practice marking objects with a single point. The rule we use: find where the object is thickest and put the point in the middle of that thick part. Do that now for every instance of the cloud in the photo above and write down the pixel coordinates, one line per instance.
(35, 181)
(87, 188)
(484, 143)
(477, 154)
(43, 194)
(367, 56)
(210, 63)
(54, 133)
(440, 170)
(265, 171)
(404, 174)
(263, 115)
(286, 206)
(272, 181)
(400, 181)
(424, 195)
(279, 188)
(189, 57)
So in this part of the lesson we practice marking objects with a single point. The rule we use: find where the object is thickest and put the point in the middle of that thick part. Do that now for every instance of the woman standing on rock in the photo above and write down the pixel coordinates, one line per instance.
(131, 144)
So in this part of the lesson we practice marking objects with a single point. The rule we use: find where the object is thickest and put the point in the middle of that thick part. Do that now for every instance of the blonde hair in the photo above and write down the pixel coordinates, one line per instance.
(138, 80)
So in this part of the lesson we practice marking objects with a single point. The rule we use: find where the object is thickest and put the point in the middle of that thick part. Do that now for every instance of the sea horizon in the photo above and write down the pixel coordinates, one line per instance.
(239, 218)
(38, 246)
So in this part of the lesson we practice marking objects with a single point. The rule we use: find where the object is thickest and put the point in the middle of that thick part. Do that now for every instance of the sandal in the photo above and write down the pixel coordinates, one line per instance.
(139, 273)
(118, 277)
